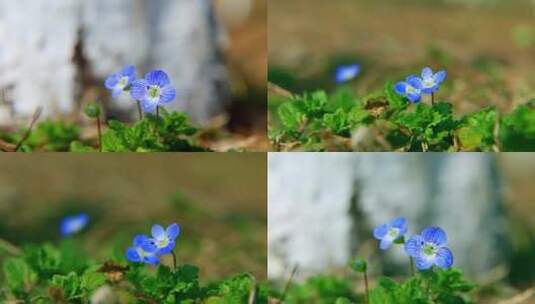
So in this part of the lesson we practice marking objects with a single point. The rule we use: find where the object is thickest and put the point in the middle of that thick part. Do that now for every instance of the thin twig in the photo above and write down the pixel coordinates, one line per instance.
(254, 291)
(287, 286)
(277, 90)
(35, 117)
(174, 260)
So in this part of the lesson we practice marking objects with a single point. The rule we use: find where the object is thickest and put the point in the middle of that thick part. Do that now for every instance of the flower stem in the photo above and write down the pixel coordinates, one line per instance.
(174, 259)
(433, 99)
(411, 265)
(366, 287)
(139, 110)
(99, 129)
(157, 113)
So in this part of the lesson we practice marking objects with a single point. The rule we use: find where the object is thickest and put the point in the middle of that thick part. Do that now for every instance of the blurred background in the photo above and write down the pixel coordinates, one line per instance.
(56, 54)
(323, 207)
(223, 219)
(486, 46)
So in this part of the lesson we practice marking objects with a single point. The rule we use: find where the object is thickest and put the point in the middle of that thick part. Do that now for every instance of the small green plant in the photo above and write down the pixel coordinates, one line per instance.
(386, 121)
(435, 282)
(62, 273)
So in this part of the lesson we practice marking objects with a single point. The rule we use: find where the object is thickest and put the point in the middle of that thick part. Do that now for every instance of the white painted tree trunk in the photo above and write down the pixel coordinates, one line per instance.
(38, 40)
(320, 204)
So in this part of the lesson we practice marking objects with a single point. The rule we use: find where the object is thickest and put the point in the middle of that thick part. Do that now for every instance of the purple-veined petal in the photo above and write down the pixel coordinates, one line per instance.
(380, 231)
(158, 78)
(167, 249)
(423, 263)
(167, 95)
(444, 258)
(140, 240)
(435, 235)
(148, 105)
(414, 97)
(129, 71)
(138, 91)
(173, 231)
(413, 246)
(152, 259)
(116, 92)
(158, 232)
(427, 73)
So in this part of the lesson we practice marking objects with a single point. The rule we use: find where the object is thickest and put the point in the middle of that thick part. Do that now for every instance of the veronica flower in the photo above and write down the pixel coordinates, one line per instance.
(118, 83)
(163, 240)
(347, 72)
(431, 82)
(410, 88)
(153, 91)
(391, 231)
(73, 224)
(142, 251)
(429, 249)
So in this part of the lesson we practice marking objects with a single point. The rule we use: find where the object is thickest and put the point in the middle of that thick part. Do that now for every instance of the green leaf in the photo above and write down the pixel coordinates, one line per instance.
(517, 129)
(19, 277)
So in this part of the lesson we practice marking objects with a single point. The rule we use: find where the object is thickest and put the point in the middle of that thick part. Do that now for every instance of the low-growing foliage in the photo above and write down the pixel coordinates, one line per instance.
(387, 121)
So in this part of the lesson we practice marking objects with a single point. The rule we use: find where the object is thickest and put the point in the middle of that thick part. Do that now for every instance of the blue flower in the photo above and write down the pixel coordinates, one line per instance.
(154, 90)
(411, 88)
(431, 82)
(391, 231)
(430, 248)
(118, 83)
(73, 224)
(163, 240)
(347, 72)
(142, 251)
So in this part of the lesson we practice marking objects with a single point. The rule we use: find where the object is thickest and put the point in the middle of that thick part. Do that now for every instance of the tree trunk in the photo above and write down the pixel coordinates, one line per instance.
(39, 40)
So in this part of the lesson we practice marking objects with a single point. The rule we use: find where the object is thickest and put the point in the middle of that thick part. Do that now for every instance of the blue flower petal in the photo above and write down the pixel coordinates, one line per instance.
(116, 92)
(413, 97)
(148, 105)
(435, 235)
(440, 77)
(444, 258)
(158, 78)
(167, 249)
(112, 81)
(168, 94)
(386, 243)
(380, 231)
(427, 73)
(140, 240)
(73, 224)
(152, 259)
(139, 89)
(158, 232)
(346, 73)
(423, 263)
(129, 71)
(401, 88)
(415, 81)
(132, 255)
(173, 231)
(413, 246)
(401, 224)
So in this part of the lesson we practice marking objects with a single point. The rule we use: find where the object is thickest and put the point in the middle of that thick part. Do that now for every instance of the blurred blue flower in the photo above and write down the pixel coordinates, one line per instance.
(431, 82)
(118, 83)
(154, 90)
(142, 251)
(346, 73)
(163, 240)
(411, 88)
(429, 249)
(73, 224)
(391, 231)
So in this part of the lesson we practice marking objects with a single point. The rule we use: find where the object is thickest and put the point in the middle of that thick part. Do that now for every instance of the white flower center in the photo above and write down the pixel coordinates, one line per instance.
(428, 82)
(154, 92)
(429, 250)
(411, 90)
(162, 243)
(123, 82)
(393, 233)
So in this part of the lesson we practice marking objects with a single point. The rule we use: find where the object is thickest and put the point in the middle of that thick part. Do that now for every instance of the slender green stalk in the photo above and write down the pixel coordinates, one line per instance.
(174, 259)
(411, 265)
(139, 110)
(366, 287)
(288, 283)
(157, 113)
(433, 98)
(99, 129)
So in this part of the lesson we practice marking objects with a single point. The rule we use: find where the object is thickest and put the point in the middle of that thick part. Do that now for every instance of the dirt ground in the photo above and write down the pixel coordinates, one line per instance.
(476, 44)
